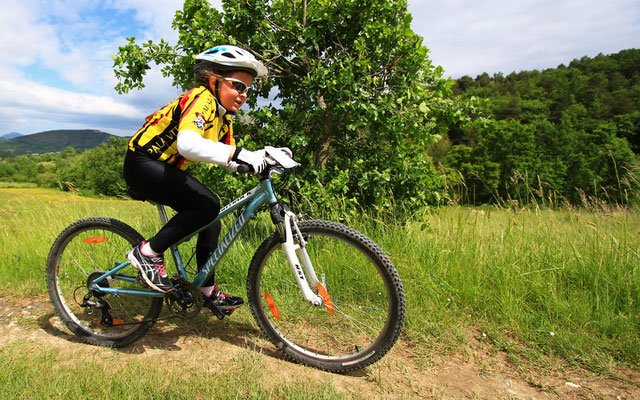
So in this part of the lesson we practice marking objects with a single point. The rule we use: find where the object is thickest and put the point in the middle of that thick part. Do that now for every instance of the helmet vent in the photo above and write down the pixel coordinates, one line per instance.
(232, 58)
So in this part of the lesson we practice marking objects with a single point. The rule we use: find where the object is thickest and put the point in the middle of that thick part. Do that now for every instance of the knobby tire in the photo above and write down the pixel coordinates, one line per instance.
(364, 287)
(93, 246)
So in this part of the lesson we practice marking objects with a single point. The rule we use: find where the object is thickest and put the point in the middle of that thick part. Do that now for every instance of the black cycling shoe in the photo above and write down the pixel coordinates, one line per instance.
(152, 271)
(222, 302)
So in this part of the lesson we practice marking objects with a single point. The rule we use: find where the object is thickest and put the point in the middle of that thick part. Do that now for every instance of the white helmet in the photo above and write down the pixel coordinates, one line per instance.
(232, 58)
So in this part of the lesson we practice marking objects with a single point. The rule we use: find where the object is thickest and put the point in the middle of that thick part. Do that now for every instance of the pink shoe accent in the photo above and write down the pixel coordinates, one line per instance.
(161, 269)
(218, 293)
(145, 253)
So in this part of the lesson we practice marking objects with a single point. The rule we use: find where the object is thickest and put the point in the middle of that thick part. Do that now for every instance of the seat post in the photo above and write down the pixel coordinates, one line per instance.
(163, 214)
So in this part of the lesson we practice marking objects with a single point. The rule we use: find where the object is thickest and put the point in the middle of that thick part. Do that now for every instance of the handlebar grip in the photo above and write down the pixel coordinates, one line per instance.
(243, 169)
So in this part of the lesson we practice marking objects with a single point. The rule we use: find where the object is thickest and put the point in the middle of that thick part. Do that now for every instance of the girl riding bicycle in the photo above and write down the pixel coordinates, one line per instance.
(196, 127)
(322, 292)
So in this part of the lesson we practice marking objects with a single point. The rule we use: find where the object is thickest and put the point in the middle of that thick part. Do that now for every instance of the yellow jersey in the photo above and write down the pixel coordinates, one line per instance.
(196, 110)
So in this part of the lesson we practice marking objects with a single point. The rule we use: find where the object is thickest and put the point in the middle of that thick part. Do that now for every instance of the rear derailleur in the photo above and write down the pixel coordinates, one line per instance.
(99, 303)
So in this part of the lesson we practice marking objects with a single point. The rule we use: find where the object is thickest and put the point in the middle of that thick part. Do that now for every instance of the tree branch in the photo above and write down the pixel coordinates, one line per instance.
(304, 13)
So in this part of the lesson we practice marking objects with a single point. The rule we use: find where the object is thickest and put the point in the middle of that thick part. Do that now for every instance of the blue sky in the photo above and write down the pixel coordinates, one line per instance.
(56, 70)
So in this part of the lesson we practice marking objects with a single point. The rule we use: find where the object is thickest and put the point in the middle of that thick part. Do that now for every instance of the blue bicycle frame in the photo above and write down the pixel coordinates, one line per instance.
(253, 200)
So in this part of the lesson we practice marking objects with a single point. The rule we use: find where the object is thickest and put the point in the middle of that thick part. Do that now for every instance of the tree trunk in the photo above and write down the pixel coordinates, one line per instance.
(321, 155)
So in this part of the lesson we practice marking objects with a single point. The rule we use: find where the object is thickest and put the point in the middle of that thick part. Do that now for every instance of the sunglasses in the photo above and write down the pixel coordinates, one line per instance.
(238, 85)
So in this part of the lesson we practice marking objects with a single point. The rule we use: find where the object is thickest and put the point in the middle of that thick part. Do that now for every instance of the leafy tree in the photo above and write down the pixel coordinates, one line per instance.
(7, 169)
(19, 169)
(358, 97)
(572, 129)
(103, 167)
(97, 170)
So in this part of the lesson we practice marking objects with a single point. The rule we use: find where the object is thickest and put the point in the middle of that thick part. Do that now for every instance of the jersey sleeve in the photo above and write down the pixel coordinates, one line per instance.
(195, 148)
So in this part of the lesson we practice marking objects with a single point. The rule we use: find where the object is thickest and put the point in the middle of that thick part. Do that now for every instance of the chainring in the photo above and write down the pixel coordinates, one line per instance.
(185, 300)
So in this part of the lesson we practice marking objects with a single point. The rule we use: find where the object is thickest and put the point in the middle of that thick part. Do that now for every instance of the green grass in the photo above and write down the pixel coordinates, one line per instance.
(22, 185)
(537, 283)
(119, 378)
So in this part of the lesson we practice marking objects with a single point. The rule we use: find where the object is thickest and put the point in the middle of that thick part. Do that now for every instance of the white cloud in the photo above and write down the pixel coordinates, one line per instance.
(155, 15)
(59, 41)
(504, 36)
(33, 107)
(72, 41)
(23, 37)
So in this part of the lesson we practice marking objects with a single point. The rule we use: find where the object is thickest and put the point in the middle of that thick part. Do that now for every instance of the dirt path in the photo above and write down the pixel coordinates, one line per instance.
(476, 372)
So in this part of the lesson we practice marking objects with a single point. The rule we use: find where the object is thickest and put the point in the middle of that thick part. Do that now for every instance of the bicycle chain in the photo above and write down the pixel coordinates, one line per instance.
(181, 306)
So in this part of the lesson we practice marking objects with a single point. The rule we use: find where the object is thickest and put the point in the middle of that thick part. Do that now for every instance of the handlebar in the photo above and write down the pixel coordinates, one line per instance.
(279, 161)
(243, 169)
(246, 169)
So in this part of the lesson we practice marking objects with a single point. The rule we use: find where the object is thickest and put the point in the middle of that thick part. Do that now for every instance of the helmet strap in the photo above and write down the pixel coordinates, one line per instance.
(221, 110)
(215, 92)
(214, 87)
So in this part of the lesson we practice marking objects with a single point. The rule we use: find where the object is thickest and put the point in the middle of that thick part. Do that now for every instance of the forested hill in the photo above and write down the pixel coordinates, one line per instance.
(53, 141)
(573, 129)
(10, 135)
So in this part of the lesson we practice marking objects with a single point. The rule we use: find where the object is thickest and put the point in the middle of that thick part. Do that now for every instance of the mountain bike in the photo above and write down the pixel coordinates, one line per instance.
(323, 293)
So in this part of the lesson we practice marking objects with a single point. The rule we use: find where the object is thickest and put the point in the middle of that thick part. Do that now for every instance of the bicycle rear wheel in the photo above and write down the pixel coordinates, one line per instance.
(84, 251)
(362, 283)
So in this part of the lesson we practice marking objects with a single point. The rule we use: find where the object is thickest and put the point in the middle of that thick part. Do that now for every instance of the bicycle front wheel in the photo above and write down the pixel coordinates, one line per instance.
(84, 251)
(368, 304)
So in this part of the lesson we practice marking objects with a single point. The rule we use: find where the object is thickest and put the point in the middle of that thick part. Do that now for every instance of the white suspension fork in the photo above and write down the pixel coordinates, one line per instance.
(297, 254)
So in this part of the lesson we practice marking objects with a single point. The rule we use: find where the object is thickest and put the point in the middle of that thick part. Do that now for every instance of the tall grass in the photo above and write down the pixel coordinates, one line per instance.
(31, 219)
(562, 282)
(534, 282)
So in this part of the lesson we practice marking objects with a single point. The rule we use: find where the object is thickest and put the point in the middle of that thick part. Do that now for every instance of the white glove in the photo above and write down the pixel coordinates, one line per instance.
(286, 150)
(254, 159)
(232, 166)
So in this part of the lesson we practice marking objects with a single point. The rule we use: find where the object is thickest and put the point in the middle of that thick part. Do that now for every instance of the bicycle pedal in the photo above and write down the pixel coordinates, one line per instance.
(220, 314)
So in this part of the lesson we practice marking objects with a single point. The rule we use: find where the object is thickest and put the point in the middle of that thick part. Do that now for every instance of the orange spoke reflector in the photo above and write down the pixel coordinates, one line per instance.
(325, 296)
(114, 322)
(272, 305)
(95, 239)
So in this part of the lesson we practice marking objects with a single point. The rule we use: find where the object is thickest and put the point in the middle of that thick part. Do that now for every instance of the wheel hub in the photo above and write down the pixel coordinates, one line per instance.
(103, 283)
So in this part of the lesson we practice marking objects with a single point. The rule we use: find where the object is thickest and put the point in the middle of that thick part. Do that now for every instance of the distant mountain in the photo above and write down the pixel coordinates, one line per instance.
(11, 135)
(53, 141)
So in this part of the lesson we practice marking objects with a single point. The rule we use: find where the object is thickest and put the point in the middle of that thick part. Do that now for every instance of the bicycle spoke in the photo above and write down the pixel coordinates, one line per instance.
(78, 257)
(356, 323)
(74, 261)
(360, 329)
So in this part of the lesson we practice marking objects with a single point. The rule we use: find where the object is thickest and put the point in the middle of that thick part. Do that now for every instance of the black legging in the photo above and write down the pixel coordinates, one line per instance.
(196, 205)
